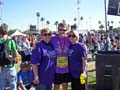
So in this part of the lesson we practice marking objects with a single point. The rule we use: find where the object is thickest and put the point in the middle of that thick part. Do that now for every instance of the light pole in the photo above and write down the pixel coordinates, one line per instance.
(78, 8)
(105, 15)
(90, 23)
(38, 16)
(1, 3)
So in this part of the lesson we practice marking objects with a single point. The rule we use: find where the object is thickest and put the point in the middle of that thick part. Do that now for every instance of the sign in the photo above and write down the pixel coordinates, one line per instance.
(114, 7)
(32, 27)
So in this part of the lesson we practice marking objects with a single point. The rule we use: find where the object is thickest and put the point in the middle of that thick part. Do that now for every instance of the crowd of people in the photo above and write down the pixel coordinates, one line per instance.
(50, 60)
(109, 41)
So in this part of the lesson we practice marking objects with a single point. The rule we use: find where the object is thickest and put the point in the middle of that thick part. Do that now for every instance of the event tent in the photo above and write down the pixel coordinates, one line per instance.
(17, 33)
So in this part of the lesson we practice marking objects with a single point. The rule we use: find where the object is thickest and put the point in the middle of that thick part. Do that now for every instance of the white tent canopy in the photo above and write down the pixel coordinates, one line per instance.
(17, 33)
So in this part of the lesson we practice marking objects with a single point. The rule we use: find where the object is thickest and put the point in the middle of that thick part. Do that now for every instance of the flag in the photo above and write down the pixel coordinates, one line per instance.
(114, 7)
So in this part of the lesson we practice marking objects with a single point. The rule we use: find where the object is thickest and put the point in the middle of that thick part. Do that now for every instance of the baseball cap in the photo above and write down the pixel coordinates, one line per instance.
(24, 64)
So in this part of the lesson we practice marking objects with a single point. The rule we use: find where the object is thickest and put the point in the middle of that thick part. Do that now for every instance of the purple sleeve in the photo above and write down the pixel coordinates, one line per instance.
(36, 55)
(83, 51)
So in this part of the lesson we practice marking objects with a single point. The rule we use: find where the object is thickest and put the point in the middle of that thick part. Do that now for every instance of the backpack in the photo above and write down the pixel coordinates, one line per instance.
(6, 56)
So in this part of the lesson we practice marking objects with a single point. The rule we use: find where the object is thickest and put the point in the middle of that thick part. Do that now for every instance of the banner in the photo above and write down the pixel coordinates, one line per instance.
(114, 7)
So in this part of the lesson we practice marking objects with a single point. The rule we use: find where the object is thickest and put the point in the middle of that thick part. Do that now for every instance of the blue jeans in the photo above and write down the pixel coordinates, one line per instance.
(8, 75)
(44, 87)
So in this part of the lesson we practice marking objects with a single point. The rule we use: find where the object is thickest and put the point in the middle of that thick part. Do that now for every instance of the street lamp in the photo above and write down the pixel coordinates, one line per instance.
(78, 8)
(38, 15)
(1, 3)
(105, 15)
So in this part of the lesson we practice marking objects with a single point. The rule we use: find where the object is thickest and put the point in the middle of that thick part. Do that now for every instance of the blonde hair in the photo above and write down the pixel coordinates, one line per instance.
(45, 30)
(76, 33)
(63, 25)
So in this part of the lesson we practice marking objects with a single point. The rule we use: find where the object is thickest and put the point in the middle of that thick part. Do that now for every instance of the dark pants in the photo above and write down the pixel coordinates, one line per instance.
(62, 78)
(23, 57)
(29, 86)
(75, 84)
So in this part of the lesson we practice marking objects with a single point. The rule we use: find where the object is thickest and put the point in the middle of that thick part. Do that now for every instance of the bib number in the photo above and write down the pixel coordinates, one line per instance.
(62, 61)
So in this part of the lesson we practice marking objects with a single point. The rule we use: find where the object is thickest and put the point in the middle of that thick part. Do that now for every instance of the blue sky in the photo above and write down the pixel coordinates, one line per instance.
(21, 13)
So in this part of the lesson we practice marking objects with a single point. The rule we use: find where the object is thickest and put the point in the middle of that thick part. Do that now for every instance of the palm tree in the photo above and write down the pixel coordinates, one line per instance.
(47, 23)
(108, 23)
(63, 21)
(111, 26)
(42, 20)
(112, 22)
(56, 24)
(81, 18)
(101, 27)
(75, 19)
(38, 15)
(99, 22)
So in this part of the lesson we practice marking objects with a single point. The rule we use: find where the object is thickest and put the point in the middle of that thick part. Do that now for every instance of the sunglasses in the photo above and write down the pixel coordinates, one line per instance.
(47, 34)
(72, 35)
(62, 30)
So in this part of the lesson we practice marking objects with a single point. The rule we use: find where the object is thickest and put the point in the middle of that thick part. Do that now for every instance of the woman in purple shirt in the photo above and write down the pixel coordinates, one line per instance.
(43, 62)
(77, 56)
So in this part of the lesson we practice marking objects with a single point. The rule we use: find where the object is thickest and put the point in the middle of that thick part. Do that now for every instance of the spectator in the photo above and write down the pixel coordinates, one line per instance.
(24, 49)
(8, 53)
(25, 77)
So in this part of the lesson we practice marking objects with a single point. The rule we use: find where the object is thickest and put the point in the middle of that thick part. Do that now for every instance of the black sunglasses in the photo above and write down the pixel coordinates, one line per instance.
(47, 34)
(72, 35)
(62, 30)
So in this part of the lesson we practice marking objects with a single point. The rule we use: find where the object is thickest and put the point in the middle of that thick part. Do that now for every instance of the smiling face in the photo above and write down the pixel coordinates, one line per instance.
(73, 37)
(62, 28)
(62, 31)
(3, 32)
(24, 69)
(46, 35)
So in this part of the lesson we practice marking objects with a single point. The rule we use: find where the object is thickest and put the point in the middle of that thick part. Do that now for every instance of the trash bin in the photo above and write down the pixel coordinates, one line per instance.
(108, 71)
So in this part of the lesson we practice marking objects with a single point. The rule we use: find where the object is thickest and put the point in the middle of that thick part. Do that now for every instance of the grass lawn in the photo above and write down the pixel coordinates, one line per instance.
(91, 76)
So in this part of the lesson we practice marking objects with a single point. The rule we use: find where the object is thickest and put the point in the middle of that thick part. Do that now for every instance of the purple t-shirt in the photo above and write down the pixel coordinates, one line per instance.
(58, 44)
(75, 54)
(44, 56)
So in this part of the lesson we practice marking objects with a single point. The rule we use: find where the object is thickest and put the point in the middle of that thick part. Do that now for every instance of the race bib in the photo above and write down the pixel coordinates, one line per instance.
(27, 52)
(62, 61)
